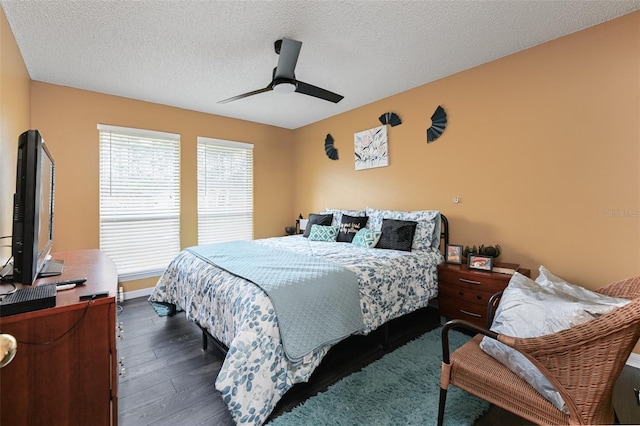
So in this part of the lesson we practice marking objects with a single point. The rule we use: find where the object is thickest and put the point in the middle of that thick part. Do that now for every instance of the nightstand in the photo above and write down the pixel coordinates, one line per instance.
(463, 293)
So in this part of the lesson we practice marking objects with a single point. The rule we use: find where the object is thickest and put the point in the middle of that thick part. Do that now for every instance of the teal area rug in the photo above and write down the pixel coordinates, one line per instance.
(401, 388)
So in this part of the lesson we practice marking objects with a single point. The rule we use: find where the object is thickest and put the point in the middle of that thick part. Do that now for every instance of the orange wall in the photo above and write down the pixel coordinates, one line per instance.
(542, 147)
(14, 119)
(68, 118)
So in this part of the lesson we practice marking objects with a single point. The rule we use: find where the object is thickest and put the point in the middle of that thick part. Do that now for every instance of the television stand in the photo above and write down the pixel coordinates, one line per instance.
(65, 371)
(52, 267)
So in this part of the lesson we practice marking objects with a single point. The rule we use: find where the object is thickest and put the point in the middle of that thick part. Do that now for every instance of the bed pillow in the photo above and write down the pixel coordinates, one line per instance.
(530, 309)
(317, 219)
(323, 233)
(366, 238)
(349, 227)
(397, 234)
(425, 235)
(437, 230)
(337, 215)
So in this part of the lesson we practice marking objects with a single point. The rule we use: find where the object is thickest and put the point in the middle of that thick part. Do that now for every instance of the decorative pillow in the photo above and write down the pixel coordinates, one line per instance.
(323, 233)
(349, 227)
(548, 280)
(397, 234)
(317, 219)
(425, 234)
(534, 308)
(337, 215)
(366, 238)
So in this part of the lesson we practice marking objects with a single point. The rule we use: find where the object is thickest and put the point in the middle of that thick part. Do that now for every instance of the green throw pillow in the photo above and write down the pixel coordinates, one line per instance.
(366, 238)
(323, 233)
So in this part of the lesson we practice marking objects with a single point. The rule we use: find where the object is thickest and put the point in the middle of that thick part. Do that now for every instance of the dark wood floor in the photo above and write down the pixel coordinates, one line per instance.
(169, 380)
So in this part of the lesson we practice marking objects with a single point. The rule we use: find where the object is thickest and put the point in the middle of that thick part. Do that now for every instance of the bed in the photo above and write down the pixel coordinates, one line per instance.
(245, 319)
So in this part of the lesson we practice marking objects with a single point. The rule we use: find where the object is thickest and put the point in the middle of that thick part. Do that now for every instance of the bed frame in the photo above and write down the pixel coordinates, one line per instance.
(206, 336)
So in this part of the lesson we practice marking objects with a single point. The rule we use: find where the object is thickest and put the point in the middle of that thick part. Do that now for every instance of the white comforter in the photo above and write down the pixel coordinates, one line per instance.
(256, 373)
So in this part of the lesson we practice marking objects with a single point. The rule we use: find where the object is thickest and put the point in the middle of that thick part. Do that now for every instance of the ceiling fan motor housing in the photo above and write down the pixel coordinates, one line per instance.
(284, 85)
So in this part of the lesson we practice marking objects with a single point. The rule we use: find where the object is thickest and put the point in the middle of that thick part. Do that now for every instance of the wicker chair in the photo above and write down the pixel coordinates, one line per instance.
(582, 362)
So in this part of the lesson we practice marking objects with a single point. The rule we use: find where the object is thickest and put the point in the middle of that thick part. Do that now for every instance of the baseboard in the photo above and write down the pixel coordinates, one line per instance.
(145, 292)
(634, 360)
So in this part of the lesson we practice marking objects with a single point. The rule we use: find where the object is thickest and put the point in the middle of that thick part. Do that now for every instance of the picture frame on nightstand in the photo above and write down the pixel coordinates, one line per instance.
(453, 253)
(480, 263)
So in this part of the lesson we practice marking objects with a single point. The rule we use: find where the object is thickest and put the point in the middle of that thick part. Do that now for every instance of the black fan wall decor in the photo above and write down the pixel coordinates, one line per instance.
(331, 152)
(438, 123)
(390, 118)
(283, 79)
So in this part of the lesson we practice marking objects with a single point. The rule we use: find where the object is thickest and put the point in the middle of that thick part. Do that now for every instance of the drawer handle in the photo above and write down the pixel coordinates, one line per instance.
(471, 313)
(470, 281)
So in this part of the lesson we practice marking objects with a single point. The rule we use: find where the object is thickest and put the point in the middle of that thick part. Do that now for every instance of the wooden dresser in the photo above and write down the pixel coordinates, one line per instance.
(464, 293)
(65, 369)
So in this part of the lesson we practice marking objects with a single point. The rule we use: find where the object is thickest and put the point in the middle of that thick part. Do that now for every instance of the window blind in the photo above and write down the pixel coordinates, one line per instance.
(225, 191)
(139, 199)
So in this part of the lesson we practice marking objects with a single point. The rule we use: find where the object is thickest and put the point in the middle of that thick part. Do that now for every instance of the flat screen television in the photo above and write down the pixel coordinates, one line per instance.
(32, 208)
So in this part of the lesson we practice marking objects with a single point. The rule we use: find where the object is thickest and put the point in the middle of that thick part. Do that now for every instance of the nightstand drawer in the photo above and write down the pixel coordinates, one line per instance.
(465, 294)
(480, 281)
(458, 309)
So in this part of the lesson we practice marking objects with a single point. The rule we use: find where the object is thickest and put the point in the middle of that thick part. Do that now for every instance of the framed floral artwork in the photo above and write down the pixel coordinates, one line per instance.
(371, 148)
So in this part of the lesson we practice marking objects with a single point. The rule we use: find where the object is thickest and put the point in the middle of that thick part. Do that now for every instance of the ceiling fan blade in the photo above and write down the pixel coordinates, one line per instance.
(289, 52)
(246, 95)
(308, 89)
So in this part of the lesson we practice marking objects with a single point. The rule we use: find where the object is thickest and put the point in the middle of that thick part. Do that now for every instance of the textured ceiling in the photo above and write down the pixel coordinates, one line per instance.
(192, 54)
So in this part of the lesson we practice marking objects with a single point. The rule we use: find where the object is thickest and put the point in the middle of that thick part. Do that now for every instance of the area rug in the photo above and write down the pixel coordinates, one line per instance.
(401, 388)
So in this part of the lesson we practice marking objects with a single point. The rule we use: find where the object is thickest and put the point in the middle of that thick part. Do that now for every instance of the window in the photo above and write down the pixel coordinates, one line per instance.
(225, 191)
(139, 199)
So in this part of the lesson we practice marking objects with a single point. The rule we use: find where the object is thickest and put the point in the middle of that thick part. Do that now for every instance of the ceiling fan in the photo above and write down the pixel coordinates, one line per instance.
(284, 79)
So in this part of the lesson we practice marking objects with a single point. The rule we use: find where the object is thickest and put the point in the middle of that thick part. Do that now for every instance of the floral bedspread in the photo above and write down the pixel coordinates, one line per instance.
(256, 373)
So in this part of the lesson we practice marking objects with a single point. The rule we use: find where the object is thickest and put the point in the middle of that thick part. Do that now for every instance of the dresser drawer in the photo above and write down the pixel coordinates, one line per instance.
(456, 309)
(465, 293)
(478, 281)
